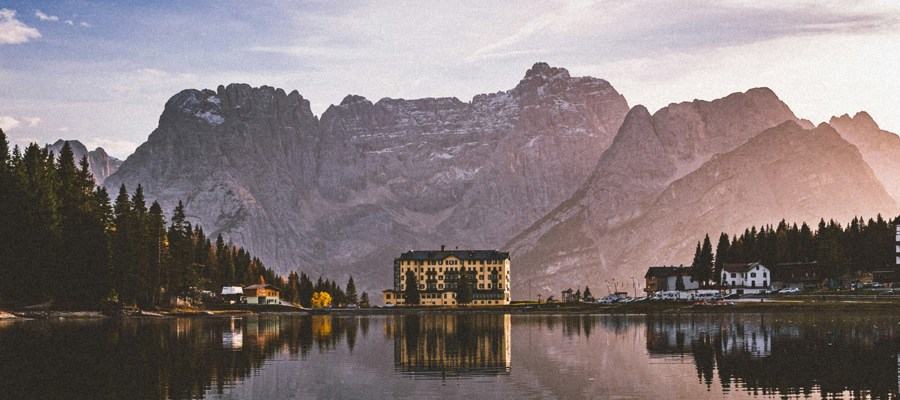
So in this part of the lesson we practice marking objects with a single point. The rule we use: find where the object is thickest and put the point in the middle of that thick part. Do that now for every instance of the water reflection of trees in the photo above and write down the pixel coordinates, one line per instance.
(165, 358)
(784, 354)
(444, 345)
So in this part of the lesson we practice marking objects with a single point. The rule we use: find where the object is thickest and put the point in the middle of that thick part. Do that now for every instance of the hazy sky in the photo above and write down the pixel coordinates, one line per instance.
(100, 72)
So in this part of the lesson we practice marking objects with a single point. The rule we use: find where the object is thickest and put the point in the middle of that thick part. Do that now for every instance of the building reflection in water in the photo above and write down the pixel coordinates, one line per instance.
(233, 336)
(448, 345)
(783, 354)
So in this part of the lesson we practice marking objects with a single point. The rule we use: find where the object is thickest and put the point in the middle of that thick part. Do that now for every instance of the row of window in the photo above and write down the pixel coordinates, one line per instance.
(454, 262)
(752, 275)
(752, 284)
(441, 286)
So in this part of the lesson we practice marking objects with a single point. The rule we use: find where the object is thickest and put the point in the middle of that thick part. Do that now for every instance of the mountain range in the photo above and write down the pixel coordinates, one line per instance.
(558, 170)
(100, 164)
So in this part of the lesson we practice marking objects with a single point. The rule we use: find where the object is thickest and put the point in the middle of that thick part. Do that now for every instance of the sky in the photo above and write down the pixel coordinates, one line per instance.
(100, 72)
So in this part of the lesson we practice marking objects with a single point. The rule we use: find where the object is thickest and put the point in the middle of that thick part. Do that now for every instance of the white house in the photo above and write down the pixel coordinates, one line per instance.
(749, 278)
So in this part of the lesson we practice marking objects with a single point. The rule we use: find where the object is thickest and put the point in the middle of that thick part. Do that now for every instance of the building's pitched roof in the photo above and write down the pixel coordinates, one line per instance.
(667, 271)
(232, 290)
(475, 255)
(741, 268)
(262, 285)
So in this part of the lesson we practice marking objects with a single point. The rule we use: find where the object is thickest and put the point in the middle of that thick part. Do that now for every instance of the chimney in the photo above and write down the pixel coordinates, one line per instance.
(442, 247)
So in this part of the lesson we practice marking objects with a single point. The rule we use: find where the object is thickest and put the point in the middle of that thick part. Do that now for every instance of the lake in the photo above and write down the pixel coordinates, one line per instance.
(459, 355)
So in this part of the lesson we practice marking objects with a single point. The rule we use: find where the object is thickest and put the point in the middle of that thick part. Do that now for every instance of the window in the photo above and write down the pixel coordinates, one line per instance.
(753, 274)
(764, 274)
(733, 275)
(481, 286)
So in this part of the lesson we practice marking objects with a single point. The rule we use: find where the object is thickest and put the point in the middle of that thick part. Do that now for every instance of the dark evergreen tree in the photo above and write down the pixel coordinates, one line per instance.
(156, 244)
(292, 288)
(588, 296)
(181, 258)
(306, 290)
(411, 291)
(721, 257)
(364, 300)
(352, 297)
(464, 286)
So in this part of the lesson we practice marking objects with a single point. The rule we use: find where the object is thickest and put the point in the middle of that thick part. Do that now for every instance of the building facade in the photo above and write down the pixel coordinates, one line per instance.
(262, 294)
(438, 274)
(662, 279)
(747, 278)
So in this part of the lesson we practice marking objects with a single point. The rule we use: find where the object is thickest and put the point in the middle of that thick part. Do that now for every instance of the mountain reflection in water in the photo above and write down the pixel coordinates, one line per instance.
(428, 355)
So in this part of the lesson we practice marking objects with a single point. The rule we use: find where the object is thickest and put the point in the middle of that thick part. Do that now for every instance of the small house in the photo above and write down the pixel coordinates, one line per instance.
(662, 279)
(746, 278)
(262, 293)
(232, 294)
(806, 275)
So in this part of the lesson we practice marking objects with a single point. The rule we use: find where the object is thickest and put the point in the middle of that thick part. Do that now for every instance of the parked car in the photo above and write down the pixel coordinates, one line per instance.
(790, 290)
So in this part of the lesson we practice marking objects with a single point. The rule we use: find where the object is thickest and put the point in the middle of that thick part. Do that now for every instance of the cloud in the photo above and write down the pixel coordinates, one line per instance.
(32, 121)
(13, 31)
(8, 123)
(44, 17)
(84, 24)
(69, 22)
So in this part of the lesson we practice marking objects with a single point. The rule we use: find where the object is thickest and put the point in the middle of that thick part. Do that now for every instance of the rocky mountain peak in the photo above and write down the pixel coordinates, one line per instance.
(545, 71)
(100, 163)
(862, 121)
(353, 99)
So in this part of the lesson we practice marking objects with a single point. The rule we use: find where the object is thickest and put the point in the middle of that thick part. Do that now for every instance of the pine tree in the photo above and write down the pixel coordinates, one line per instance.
(588, 296)
(679, 283)
(156, 243)
(412, 288)
(464, 286)
(706, 263)
(351, 292)
(292, 288)
(181, 275)
(364, 300)
(721, 257)
(306, 290)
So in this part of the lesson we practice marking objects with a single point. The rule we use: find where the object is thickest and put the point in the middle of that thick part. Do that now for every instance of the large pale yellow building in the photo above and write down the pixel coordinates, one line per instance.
(438, 274)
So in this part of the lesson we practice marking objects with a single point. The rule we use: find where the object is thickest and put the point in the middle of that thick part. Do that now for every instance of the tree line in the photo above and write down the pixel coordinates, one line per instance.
(838, 250)
(63, 239)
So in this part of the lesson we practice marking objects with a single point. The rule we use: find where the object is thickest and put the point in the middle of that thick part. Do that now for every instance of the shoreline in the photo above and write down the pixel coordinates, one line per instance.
(796, 304)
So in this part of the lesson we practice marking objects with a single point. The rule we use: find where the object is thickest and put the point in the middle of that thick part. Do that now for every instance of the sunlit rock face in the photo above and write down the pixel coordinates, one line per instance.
(691, 169)
(880, 148)
(100, 164)
(346, 193)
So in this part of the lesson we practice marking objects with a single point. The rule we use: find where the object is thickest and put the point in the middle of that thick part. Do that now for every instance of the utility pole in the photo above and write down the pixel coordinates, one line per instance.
(634, 285)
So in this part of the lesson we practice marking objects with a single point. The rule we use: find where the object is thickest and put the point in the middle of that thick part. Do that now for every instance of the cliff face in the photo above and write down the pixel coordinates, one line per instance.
(880, 148)
(784, 172)
(100, 163)
(346, 194)
(647, 154)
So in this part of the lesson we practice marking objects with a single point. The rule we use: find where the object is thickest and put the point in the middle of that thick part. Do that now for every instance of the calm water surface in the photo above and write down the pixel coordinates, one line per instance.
(474, 356)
